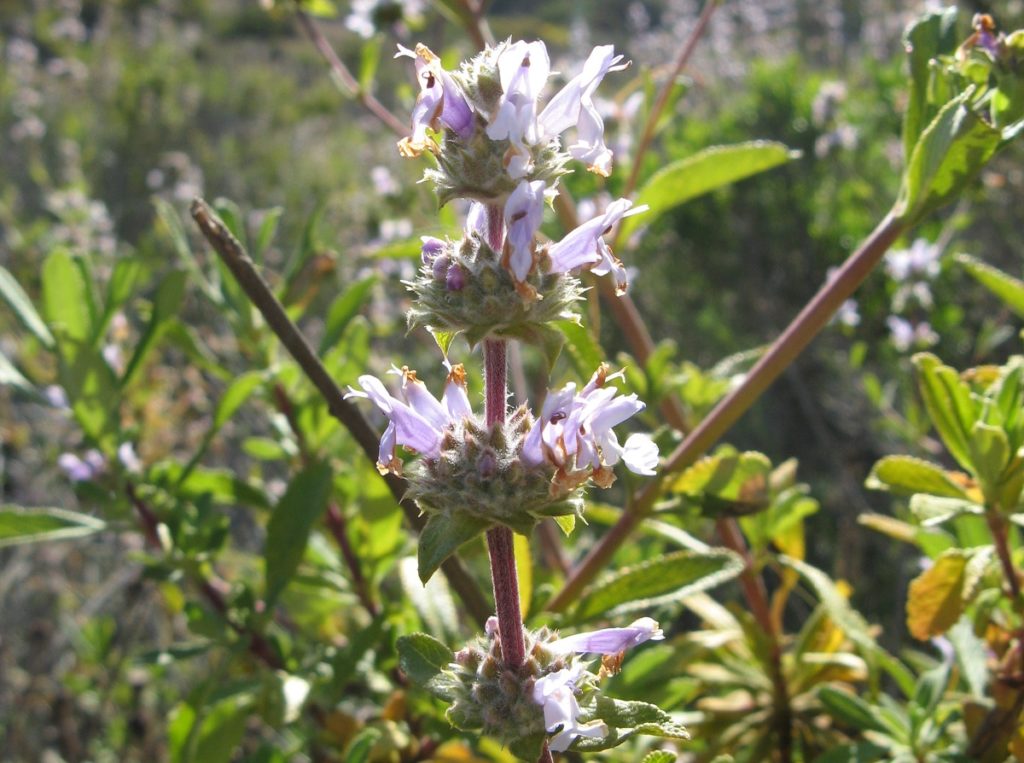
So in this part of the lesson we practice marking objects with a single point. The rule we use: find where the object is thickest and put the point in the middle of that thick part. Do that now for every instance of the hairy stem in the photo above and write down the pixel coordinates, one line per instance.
(811, 320)
(257, 290)
(499, 539)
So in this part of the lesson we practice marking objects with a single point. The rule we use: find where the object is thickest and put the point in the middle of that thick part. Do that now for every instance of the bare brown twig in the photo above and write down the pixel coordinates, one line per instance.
(244, 271)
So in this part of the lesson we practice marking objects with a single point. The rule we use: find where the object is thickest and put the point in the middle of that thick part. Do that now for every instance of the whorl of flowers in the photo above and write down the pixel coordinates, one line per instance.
(511, 473)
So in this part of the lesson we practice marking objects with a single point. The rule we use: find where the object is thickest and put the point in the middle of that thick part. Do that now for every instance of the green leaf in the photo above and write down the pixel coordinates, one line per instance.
(432, 600)
(362, 745)
(584, 351)
(947, 399)
(265, 235)
(930, 687)
(1009, 289)
(290, 524)
(850, 621)
(990, 454)
(627, 719)
(668, 578)
(20, 525)
(343, 310)
(179, 239)
(947, 157)
(933, 510)
(369, 59)
(935, 599)
(849, 709)
(905, 475)
(423, 658)
(926, 38)
(971, 657)
(444, 339)
(728, 482)
(524, 571)
(441, 536)
(861, 752)
(23, 309)
(705, 171)
(66, 302)
(166, 307)
(235, 396)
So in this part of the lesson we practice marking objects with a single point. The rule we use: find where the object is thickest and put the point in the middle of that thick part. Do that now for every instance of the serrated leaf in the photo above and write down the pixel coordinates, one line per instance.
(627, 719)
(935, 598)
(1009, 289)
(705, 171)
(668, 578)
(21, 305)
(290, 523)
(849, 709)
(905, 475)
(423, 658)
(20, 525)
(344, 308)
(441, 536)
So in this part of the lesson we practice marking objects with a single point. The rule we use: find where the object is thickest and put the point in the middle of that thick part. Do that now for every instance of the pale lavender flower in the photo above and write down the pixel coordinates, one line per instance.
(440, 102)
(417, 419)
(574, 433)
(585, 247)
(574, 105)
(848, 314)
(523, 69)
(383, 181)
(556, 694)
(56, 396)
(524, 211)
(82, 469)
(128, 458)
(921, 260)
(609, 640)
(905, 335)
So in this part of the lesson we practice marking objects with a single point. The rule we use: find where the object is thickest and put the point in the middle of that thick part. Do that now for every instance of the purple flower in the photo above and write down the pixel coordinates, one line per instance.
(585, 247)
(440, 102)
(556, 693)
(430, 249)
(417, 420)
(574, 433)
(524, 211)
(609, 640)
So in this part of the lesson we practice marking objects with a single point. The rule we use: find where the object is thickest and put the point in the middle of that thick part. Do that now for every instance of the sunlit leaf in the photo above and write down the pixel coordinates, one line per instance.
(712, 168)
(667, 578)
(935, 598)
(21, 305)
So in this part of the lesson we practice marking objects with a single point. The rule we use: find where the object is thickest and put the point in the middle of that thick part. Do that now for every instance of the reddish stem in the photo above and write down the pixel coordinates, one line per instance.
(500, 543)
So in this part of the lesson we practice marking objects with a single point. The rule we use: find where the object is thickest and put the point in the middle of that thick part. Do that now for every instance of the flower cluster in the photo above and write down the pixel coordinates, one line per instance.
(515, 472)
(554, 691)
(495, 145)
